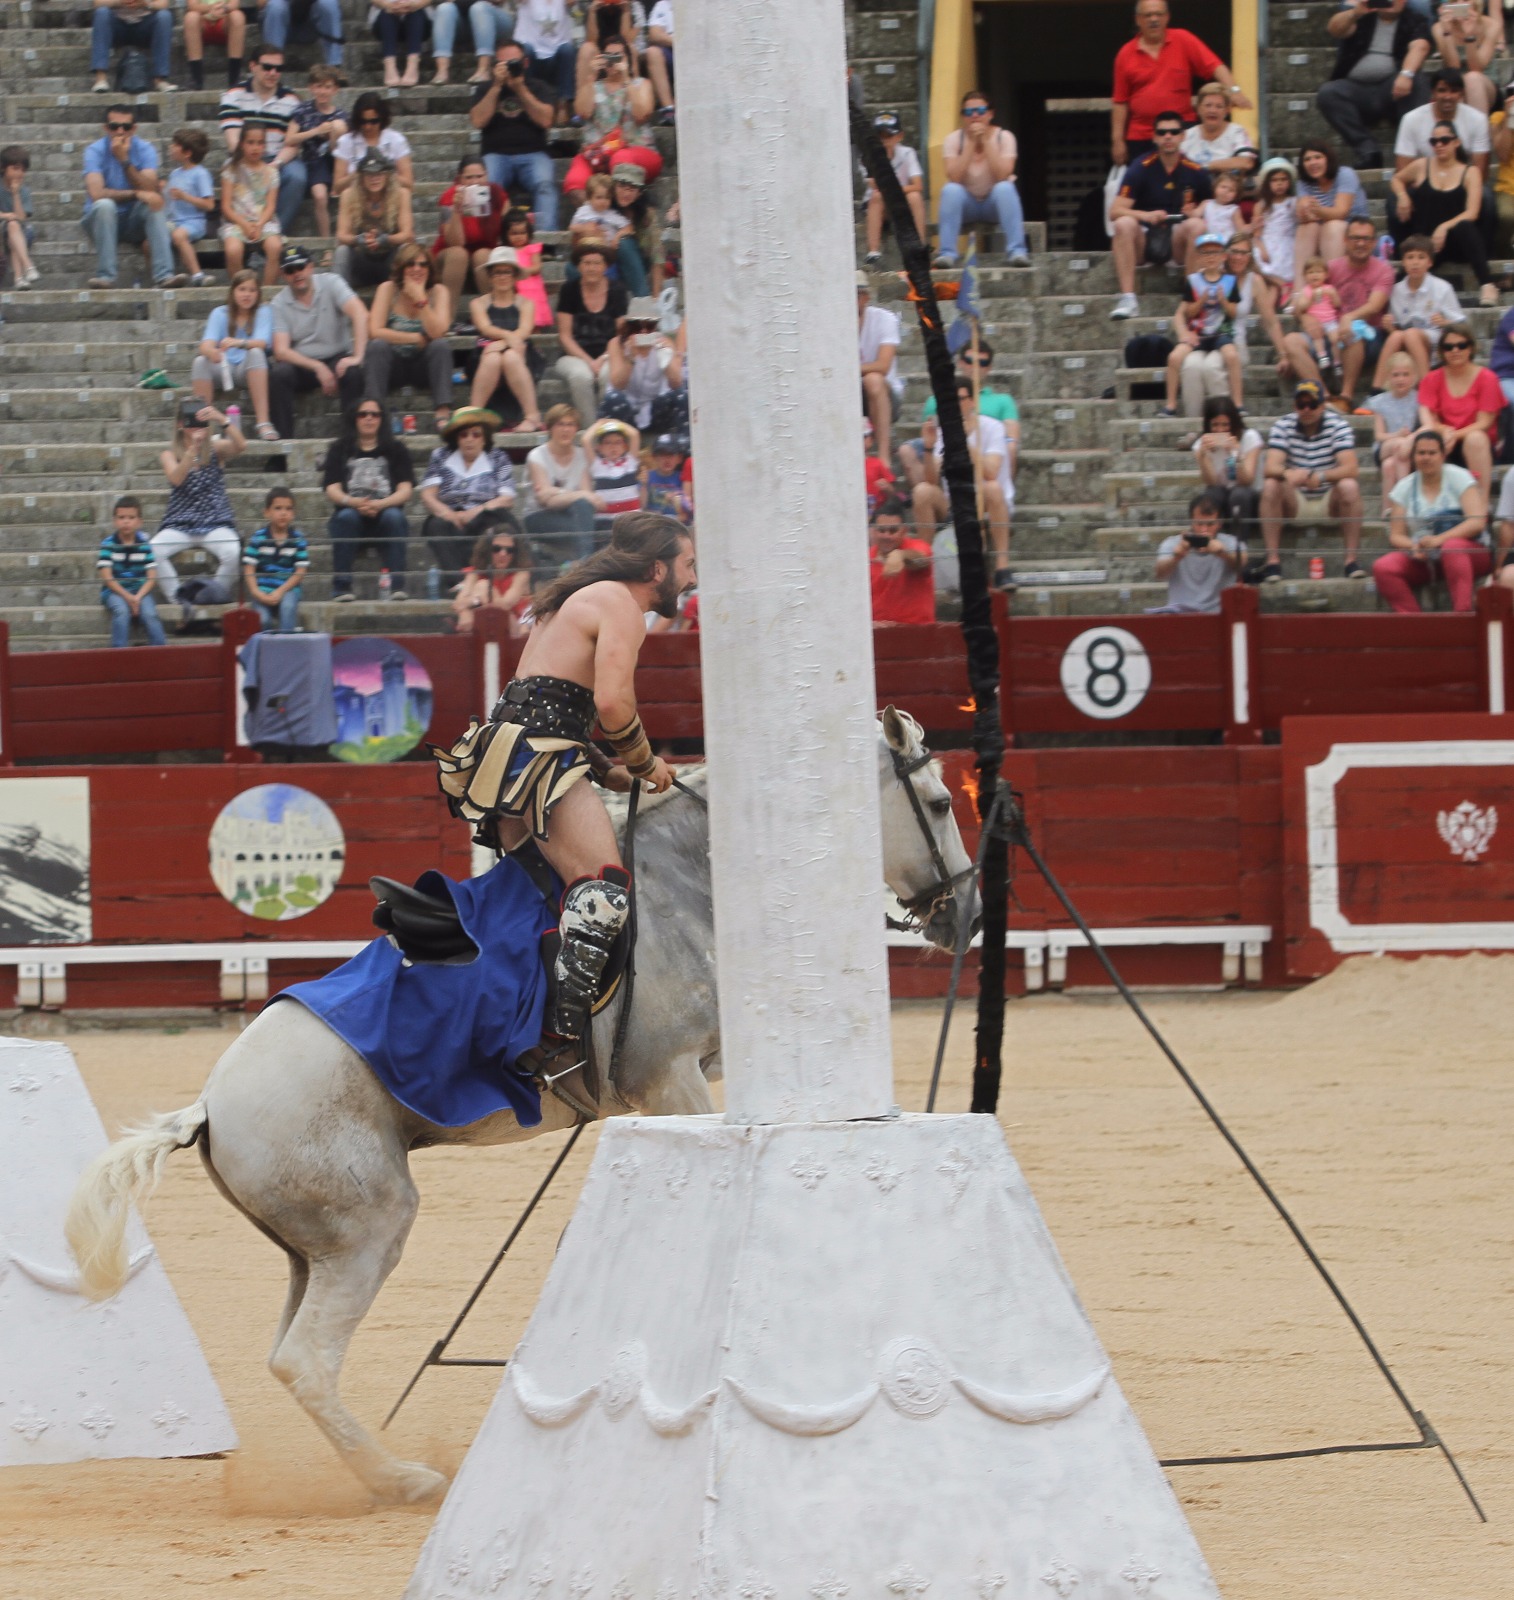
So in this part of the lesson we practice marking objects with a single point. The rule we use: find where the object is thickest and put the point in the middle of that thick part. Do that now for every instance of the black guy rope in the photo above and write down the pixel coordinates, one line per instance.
(1429, 1438)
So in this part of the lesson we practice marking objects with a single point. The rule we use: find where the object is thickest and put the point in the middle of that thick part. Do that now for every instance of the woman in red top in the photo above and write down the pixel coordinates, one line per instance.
(1461, 401)
(500, 578)
(469, 231)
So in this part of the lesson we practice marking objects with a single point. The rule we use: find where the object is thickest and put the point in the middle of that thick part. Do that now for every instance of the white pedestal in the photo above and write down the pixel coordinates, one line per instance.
(81, 1381)
(836, 1360)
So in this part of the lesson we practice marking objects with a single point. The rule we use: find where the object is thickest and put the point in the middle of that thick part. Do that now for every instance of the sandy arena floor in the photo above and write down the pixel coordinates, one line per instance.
(1380, 1102)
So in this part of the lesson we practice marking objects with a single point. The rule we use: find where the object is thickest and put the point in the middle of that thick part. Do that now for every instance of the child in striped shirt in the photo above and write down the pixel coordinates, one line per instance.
(274, 564)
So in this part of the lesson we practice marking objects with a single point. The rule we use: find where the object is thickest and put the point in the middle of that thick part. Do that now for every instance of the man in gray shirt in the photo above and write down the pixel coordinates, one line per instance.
(320, 332)
(1380, 51)
(1200, 563)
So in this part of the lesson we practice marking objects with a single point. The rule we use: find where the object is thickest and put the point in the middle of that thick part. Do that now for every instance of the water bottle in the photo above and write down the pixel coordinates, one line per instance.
(1383, 249)
(386, 585)
(434, 583)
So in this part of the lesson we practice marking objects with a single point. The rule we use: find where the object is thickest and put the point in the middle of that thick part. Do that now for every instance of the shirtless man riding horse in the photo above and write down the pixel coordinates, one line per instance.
(517, 776)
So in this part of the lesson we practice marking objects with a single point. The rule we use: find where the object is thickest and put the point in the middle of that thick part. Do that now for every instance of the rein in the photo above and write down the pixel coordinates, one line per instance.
(919, 907)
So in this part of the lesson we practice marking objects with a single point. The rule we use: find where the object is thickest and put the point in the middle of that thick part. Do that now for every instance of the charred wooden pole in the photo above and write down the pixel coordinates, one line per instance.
(980, 638)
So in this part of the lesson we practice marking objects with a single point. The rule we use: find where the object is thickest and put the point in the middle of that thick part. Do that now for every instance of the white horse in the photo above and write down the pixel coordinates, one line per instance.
(301, 1137)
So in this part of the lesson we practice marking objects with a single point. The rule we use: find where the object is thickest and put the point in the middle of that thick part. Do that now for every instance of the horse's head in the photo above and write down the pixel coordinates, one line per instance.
(924, 861)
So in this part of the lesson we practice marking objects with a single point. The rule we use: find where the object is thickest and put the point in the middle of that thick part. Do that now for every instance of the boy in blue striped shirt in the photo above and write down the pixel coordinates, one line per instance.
(128, 575)
(274, 562)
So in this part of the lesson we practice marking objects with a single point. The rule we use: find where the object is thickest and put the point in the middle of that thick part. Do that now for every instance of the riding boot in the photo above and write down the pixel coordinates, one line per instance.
(594, 910)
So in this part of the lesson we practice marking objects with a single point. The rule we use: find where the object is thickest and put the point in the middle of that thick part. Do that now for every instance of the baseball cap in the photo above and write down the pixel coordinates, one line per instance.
(666, 441)
(292, 258)
(375, 161)
(886, 122)
(1204, 240)
(1308, 391)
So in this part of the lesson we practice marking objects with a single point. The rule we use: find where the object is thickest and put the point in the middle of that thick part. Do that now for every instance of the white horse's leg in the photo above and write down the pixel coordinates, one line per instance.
(678, 1091)
(304, 1140)
(308, 1359)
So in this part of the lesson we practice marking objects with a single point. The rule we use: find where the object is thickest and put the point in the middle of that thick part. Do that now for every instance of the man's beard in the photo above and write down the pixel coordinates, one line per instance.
(665, 603)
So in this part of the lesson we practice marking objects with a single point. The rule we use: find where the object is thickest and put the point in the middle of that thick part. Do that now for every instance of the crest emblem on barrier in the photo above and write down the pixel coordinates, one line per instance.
(1468, 830)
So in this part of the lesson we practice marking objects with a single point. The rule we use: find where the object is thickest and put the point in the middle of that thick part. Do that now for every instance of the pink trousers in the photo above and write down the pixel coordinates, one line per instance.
(1398, 574)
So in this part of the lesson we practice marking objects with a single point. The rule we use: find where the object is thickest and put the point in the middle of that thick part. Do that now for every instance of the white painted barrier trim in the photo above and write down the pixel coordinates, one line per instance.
(1495, 667)
(1071, 938)
(1325, 914)
(105, 955)
(1240, 676)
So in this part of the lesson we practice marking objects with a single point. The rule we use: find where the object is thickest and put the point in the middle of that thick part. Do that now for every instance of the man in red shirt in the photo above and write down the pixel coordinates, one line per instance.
(904, 588)
(1156, 72)
(1364, 281)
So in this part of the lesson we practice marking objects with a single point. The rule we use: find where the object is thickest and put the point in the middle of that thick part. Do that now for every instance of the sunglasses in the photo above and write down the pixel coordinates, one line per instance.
(370, 122)
(421, 266)
(1442, 139)
(119, 127)
(974, 111)
(270, 66)
(979, 361)
(1454, 344)
(374, 414)
(1307, 405)
(503, 549)
(1169, 133)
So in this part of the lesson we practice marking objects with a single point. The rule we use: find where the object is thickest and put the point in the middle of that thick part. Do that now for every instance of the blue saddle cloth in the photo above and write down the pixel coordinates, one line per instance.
(444, 1040)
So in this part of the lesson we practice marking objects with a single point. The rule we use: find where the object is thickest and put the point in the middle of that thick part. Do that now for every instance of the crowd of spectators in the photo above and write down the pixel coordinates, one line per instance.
(380, 304)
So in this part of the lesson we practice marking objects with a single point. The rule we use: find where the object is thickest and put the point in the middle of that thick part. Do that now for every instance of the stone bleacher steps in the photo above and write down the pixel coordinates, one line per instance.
(1101, 480)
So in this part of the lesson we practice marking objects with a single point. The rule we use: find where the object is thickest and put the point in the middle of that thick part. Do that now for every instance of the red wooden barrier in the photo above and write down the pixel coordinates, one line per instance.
(1398, 836)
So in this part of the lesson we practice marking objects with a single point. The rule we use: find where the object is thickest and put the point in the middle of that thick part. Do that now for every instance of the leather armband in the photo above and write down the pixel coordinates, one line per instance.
(632, 745)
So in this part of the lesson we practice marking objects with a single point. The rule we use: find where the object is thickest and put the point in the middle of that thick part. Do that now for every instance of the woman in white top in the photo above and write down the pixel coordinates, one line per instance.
(1439, 519)
(1229, 455)
(1214, 141)
(563, 523)
(370, 131)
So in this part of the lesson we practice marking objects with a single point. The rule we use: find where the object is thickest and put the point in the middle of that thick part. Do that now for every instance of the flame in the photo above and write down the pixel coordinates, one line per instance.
(970, 788)
(969, 704)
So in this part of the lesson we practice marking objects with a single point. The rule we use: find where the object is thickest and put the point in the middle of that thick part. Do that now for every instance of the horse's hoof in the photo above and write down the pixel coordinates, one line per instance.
(411, 1482)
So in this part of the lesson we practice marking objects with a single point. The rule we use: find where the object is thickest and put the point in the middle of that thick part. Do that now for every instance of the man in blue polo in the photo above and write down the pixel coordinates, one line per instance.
(124, 199)
(1157, 187)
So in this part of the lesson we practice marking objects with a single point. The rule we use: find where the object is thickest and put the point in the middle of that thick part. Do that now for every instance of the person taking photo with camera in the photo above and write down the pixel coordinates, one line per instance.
(513, 112)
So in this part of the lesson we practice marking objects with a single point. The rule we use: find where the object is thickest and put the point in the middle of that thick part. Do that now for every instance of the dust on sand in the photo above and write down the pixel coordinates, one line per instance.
(1380, 1103)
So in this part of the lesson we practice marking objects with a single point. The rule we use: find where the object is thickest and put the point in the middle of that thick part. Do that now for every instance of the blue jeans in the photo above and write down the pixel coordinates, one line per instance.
(389, 29)
(294, 182)
(327, 16)
(120, 619)
(561, 64)
(632, 269)
(287, 611)
(959, 209)
(111, 222)
(349, 529)
(154, 32)
(491, 26)
(534, 169)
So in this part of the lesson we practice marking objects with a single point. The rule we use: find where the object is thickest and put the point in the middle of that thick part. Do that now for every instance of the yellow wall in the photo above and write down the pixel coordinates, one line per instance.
(954, 69)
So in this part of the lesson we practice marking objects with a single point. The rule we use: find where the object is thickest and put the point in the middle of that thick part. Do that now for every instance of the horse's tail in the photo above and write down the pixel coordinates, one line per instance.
(111, 1184)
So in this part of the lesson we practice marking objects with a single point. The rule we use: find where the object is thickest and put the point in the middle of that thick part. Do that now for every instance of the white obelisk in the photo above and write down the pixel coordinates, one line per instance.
(814, 1348)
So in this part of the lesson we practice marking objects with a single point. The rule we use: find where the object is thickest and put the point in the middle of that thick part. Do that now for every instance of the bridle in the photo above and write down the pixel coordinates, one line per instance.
(920, 908)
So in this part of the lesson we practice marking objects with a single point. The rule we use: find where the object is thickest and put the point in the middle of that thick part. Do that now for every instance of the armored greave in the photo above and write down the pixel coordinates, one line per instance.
(594, 910)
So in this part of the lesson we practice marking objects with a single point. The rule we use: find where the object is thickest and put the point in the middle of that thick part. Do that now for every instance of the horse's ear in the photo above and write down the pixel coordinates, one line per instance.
(894, 730)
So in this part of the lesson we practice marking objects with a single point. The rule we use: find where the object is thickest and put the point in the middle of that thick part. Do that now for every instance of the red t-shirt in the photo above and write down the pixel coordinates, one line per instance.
(1151, 84)
(909, 597)
(1357, 285)
(479, 233)
(878, 477)
(1484, 395)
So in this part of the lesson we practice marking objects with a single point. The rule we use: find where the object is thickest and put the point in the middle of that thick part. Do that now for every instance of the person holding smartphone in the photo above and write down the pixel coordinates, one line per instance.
(1198, 565)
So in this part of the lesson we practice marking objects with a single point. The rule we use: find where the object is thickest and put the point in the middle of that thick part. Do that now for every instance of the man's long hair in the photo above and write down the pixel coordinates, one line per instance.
(638, 541)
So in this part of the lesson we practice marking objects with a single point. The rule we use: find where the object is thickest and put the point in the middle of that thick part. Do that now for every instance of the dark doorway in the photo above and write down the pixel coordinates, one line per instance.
(1048, 67)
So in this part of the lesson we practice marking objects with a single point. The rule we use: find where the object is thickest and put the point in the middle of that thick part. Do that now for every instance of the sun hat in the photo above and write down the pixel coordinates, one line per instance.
(629, 172)
(502, 256)
(470, 417)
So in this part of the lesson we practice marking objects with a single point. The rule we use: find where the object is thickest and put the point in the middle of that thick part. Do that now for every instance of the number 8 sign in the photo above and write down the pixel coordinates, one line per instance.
(1106, 672)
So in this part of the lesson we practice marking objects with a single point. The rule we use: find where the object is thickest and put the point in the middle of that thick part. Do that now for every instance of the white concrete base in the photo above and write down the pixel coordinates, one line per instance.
(838, 1360)
(80, 1381)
